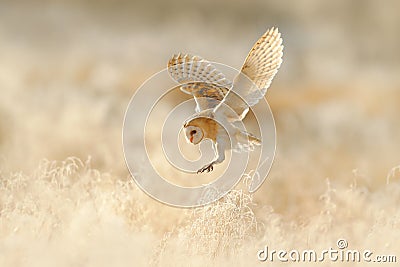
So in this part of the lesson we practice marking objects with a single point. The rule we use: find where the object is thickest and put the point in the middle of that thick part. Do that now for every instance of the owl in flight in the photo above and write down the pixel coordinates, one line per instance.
(222, 104)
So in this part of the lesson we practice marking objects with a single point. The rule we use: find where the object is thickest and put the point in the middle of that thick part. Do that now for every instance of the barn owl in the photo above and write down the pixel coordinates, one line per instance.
(221, 104)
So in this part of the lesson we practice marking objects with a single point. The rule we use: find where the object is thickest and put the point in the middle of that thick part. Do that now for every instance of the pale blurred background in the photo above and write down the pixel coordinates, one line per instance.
(69, 68)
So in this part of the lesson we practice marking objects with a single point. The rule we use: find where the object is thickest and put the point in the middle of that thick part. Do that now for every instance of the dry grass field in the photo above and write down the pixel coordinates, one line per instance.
(69, 68)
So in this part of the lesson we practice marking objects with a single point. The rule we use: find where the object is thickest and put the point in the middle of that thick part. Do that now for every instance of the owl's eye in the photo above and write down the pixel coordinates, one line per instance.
(193, 132)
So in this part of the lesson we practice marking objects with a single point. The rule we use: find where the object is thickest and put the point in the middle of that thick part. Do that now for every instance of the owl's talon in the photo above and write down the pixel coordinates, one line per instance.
(207, 168)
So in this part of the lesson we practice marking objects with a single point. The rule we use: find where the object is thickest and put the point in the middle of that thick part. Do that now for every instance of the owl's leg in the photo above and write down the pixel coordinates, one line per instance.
(220, 157)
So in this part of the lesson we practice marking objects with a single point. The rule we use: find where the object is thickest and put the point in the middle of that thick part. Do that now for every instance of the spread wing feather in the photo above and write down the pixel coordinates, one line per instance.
(258, 70)
(199, 78)
(206, 95)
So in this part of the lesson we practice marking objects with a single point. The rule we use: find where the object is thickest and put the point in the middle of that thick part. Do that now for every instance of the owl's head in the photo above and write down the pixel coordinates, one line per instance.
(193, 134)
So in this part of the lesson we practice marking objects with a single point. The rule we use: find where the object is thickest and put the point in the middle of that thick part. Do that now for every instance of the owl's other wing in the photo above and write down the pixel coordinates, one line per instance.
(258, 70)
(199, 78)
(188, 68)
(206, 95)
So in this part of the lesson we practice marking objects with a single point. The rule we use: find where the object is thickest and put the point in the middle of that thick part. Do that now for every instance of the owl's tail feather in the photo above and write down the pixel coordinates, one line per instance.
(245, 137)
(246, 142)
(252, 139)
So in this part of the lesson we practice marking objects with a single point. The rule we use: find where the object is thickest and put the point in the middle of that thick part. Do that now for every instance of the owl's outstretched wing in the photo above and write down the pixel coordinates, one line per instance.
(199, 78)
(188, 68)
(206, 95)
(258, 70)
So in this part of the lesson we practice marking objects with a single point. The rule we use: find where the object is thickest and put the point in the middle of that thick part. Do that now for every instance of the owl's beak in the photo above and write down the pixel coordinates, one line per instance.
(191, 139)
